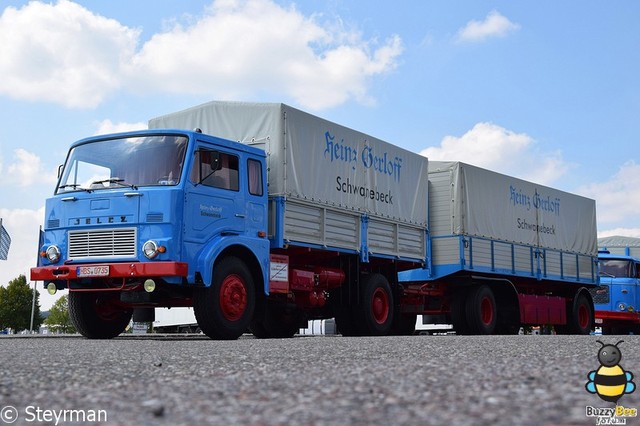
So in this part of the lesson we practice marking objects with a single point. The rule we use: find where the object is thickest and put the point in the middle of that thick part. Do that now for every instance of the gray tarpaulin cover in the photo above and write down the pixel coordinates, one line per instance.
(318, 161)
(489, 204)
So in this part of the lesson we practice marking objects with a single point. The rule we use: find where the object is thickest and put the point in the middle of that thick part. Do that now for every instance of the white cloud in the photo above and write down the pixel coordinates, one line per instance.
(240, 48)
(236, 49)
(62, 53)
(494, 147)
(107, 126)
(626, 232)
(618, 199)
(494, 25)
(27, 169)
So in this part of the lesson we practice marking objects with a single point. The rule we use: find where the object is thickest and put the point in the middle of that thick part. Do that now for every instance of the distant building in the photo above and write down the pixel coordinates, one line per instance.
(5, 242)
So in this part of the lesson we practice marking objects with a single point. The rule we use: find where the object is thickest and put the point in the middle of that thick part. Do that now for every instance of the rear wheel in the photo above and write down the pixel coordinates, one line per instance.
(481, 310)
(374, 314)
(98, 315)
(225, 309)
(579, 317)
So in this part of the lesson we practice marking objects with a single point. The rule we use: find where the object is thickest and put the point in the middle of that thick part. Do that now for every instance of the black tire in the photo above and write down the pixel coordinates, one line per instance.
(481, 310)
(276, 322)
(374, 313)
(97, 315)
(225, 309)
(458, 315)
(579, 317)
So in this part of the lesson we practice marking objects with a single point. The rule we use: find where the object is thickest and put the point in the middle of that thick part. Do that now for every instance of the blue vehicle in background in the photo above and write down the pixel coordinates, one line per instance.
(617, 299)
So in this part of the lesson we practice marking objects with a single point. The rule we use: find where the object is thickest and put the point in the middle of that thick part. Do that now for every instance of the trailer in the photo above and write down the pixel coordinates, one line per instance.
(504, 253)
(617, 297)
(263, 217)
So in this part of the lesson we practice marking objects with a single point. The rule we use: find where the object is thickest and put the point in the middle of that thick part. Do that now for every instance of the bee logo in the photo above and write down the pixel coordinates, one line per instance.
(610, 381)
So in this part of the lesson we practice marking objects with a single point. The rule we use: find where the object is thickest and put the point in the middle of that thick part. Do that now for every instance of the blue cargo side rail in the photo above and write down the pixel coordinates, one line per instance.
(484, 286)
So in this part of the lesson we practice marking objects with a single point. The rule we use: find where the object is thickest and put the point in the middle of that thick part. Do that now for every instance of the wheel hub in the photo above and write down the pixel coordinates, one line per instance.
(233, 297)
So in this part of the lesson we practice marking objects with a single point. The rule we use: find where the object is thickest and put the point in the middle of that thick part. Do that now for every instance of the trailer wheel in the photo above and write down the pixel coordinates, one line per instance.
(374, 314)
(481, 310)
(225, 309)
(579, 318)
(97, 315)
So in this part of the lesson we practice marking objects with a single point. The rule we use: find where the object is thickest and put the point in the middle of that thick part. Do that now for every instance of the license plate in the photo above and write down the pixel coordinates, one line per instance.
(598, 320)
(92, 271)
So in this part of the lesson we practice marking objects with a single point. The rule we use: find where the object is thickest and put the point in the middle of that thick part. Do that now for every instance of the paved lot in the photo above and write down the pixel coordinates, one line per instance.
(308, 380)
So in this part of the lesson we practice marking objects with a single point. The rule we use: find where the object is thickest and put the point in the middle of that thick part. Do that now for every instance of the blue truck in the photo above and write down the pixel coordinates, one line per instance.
(283, 217)
(616, 298)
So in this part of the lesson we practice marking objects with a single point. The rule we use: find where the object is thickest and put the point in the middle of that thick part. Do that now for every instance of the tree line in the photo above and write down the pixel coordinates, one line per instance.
(16, 302)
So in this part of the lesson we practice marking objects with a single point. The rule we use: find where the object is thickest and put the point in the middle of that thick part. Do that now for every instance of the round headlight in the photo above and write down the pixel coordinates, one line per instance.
(622, 306)
(150, 249)
(53, 254)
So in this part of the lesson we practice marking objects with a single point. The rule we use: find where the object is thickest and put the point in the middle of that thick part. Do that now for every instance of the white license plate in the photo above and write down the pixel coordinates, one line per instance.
(598, 320)
(92, 271)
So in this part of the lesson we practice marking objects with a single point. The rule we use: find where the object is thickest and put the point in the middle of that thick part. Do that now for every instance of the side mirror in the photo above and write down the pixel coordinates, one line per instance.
(60, 169)
(214, 160)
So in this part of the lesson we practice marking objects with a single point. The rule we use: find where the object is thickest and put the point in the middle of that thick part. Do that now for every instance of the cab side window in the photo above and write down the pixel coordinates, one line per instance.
(216, 169)
(254, 171)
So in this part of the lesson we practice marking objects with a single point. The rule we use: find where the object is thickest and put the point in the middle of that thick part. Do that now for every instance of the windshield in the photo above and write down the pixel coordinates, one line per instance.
(124, 163)
(615, 268)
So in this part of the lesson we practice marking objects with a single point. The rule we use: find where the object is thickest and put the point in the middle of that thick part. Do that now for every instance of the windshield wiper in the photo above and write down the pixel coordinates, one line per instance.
(117, 181)
(74, 186)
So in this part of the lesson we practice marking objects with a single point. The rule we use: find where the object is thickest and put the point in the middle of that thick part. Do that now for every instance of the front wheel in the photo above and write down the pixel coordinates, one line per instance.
(98, 315)
(225, 309)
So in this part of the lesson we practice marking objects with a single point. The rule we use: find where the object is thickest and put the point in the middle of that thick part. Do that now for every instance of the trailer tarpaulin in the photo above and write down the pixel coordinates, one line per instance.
(496, 206)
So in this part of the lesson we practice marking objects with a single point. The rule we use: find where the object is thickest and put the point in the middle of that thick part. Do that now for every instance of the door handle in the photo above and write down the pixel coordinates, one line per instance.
(240, 215)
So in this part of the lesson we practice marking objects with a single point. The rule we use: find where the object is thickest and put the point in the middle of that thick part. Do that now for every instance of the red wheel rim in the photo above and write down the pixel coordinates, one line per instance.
(380, 306)
(486, 311)
(583, 316)
(233, 297)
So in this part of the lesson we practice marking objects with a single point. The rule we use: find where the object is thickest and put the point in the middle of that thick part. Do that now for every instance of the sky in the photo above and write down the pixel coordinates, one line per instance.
(542, 90)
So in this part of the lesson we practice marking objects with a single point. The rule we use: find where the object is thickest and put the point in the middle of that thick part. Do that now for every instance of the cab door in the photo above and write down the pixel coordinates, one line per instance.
(215, 202)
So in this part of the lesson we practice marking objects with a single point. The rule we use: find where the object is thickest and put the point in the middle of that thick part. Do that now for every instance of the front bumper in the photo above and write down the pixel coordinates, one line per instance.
(607, 317)
(114, 270)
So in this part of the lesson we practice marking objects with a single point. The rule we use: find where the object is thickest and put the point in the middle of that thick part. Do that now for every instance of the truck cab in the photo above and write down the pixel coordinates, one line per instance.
(139, 220)
(617, 298)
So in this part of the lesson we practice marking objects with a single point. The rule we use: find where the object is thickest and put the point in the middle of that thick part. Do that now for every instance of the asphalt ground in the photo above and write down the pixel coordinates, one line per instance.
(328, 380)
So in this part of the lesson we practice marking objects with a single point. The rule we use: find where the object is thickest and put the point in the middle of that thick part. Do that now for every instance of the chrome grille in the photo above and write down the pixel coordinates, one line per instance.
(600, 294)
(120, 242)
